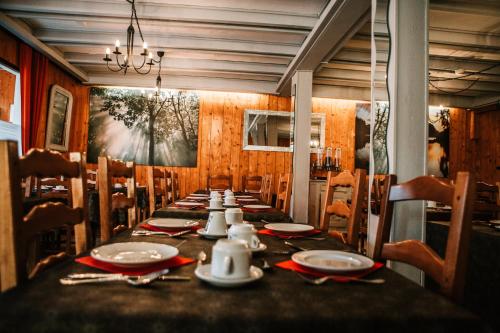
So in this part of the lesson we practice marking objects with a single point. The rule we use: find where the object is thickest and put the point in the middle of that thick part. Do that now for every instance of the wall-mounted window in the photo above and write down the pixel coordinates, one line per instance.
(10, 105)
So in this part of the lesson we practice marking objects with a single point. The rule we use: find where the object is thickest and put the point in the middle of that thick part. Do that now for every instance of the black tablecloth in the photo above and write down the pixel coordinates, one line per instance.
(280, 302)
(482, 290)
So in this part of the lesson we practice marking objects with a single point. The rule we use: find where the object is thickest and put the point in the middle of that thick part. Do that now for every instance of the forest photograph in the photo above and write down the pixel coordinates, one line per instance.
(135, 125)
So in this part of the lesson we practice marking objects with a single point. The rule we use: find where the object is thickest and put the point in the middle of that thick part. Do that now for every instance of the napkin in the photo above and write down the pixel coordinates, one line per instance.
(293, 266)
(170, 263)
(168, 230)
(284, 235)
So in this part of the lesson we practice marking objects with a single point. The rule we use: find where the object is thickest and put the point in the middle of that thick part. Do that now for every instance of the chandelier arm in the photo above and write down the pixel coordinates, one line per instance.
(118, 63)
(113, 70)
(143, 73)
(142, 65)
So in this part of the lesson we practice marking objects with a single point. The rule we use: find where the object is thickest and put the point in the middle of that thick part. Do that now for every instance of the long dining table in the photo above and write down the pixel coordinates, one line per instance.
(280, 302)
(173, 211)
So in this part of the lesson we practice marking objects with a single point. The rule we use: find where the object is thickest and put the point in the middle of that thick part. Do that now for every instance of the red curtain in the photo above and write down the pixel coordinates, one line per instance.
(25, 60)
(33, 69)
(38, 91)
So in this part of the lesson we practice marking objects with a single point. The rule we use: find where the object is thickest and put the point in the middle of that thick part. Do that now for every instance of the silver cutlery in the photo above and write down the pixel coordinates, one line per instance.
(178, 245)
(74, 279)
(158, 233)
(293, 246)
(265, 265)
(174, 278)
(202, 256)
(321, 280)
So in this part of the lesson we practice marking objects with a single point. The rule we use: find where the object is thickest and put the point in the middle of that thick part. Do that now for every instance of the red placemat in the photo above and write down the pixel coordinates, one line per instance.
(167, 230)
(293, 266)
(252, 210)
(170, 263)
(284, 235)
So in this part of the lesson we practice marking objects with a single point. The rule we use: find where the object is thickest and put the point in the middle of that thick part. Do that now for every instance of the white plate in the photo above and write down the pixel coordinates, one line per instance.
(134, 254)
(262, 247)
(257, 206)
(332, 261)
(252, 199)
(203, 273)
(289, 227)
(244, 197)
(201, 195)
(187, 203)
(171, 223)
(202, 232)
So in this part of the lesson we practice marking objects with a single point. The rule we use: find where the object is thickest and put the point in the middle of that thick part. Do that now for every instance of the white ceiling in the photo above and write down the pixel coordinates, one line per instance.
(463, 35)
(256, 45)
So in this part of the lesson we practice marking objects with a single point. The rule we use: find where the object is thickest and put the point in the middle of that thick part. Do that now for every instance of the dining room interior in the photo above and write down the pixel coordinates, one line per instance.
(279, 165)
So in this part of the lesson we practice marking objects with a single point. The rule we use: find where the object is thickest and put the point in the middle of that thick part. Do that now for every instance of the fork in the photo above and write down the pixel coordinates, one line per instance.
(74, 279)
(321, 280)
(158, 233)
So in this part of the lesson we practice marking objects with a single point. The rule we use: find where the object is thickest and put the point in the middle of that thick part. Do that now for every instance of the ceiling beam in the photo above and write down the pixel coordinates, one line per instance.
(184, 63)
(336, 21)
(105, 39)
(118, 25)
(25, 35)
(170, 12)
(185, 82)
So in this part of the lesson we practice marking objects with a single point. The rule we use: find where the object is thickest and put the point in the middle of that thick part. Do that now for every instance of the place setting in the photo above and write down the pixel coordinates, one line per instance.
(138, 263)
(172, 227)
(289, 230)
(230, 266)
(215, 227)
(256, 208)
(319, 266)
(188, 205)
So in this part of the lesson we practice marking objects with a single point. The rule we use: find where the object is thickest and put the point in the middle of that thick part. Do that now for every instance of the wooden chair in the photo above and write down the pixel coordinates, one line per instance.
(157, 188)
(18, 231)
(266, 189)
(487, 200)
(284, 192)
(53, 182)
(174, 178)
(219, 182)
(92, 182)
(110, 203)
(449, 272)
(352, 212)
(251, 184)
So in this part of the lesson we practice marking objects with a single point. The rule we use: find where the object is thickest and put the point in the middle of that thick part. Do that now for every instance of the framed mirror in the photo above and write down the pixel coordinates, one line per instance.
(273, 130)
(266, 130)
(59, 119)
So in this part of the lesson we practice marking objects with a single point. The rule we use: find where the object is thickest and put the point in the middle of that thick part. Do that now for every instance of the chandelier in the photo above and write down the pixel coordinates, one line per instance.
(124, 61)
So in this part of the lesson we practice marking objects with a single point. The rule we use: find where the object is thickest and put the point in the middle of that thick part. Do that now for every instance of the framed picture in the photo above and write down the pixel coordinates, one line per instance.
(59, 119)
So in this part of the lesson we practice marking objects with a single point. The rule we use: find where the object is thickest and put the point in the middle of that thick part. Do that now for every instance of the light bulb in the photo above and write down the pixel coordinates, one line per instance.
(124, 58)
(108, 51)
(150, 95)
(117, 43)
(145, 46)
(150, 55)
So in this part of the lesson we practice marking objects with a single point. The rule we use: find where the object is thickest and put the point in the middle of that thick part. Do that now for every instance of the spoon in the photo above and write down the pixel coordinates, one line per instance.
(321, 280)
(202, 256)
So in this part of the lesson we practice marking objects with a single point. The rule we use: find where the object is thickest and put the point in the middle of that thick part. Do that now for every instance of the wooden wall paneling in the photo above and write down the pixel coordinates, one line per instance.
(236, 141)
(460, 149)
(216, 134)
(206, 107)
(227, 132)
(9, 52)
(7, 89)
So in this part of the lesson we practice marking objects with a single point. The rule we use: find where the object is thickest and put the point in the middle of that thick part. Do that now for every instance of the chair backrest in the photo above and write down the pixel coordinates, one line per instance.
(449, 272)
(52, 182)
(174, 179)
(92, 179)
(251, 184)
(157, 188)
(219, 182)
(352, 212)
(109, 202)
(284, 192)
(487, 199)
(266, 189)
(17, 231)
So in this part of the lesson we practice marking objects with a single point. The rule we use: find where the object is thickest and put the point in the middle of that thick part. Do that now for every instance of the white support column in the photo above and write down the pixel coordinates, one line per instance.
(302, 90)
(407, 132)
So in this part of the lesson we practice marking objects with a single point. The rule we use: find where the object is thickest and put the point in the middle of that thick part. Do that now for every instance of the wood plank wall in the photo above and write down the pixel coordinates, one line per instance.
(8, 88)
